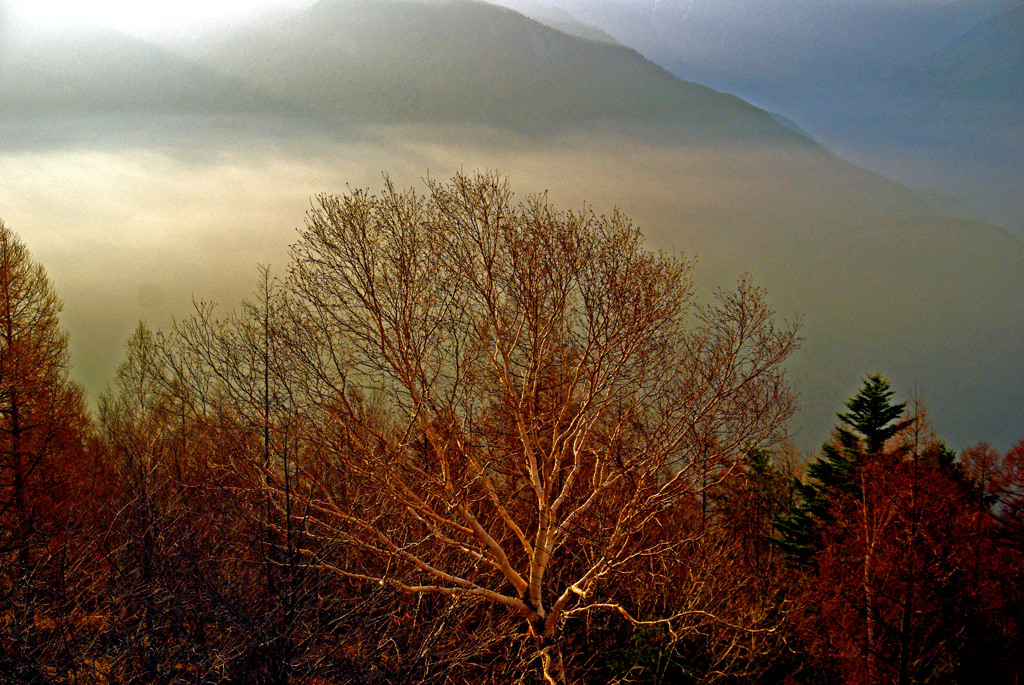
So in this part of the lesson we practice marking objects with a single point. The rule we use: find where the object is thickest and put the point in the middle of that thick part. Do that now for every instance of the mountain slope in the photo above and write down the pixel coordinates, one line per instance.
(557, 19)
(986, 63)
(395, 60)
(102, 71)
(781, 51)
(926, 93)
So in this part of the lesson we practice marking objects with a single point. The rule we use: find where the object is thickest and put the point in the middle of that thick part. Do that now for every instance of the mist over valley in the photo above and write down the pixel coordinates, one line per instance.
(143, 175)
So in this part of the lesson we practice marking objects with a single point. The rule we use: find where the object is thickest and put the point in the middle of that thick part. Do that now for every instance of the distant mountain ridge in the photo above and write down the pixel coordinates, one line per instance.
(784, 49)
(557, 19)
(396, 60)
(103, 71)
(381, 61)
(985, 63)
(927, 93)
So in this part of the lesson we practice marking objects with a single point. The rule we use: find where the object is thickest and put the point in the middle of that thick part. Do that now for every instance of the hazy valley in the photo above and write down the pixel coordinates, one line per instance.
(142, 178)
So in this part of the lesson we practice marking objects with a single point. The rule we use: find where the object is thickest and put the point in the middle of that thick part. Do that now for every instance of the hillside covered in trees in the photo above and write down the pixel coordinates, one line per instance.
(470, 437)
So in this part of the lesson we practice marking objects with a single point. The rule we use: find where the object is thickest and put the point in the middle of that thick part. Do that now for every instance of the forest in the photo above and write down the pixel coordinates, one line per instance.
(469, 437)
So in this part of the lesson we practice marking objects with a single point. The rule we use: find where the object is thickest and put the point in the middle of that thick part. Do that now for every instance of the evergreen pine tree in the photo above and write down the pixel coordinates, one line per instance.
(871, 420)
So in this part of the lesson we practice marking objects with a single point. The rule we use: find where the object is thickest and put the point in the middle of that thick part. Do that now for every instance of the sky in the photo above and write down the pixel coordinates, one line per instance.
(138, 17)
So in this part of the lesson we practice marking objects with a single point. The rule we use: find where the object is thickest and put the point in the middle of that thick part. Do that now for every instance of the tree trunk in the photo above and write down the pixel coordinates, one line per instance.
(551, 662)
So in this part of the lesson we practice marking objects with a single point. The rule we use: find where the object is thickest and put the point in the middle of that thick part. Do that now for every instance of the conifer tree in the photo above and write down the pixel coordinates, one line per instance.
(42, 422)
(871, 420)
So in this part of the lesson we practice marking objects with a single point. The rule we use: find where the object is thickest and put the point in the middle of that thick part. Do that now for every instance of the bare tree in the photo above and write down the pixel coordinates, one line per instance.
(236, 373)
(142, 429)
(206, 424)
(511, 395)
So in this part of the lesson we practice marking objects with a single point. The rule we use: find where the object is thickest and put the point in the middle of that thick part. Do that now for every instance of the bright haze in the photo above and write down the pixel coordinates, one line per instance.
(144, 19)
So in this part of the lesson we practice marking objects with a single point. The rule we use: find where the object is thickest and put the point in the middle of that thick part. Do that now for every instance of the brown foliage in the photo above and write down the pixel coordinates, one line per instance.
(44, 463)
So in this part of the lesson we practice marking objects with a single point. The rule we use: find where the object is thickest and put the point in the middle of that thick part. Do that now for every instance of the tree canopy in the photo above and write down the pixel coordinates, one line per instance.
(872, 419)
(474, 437)
(520, 390)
